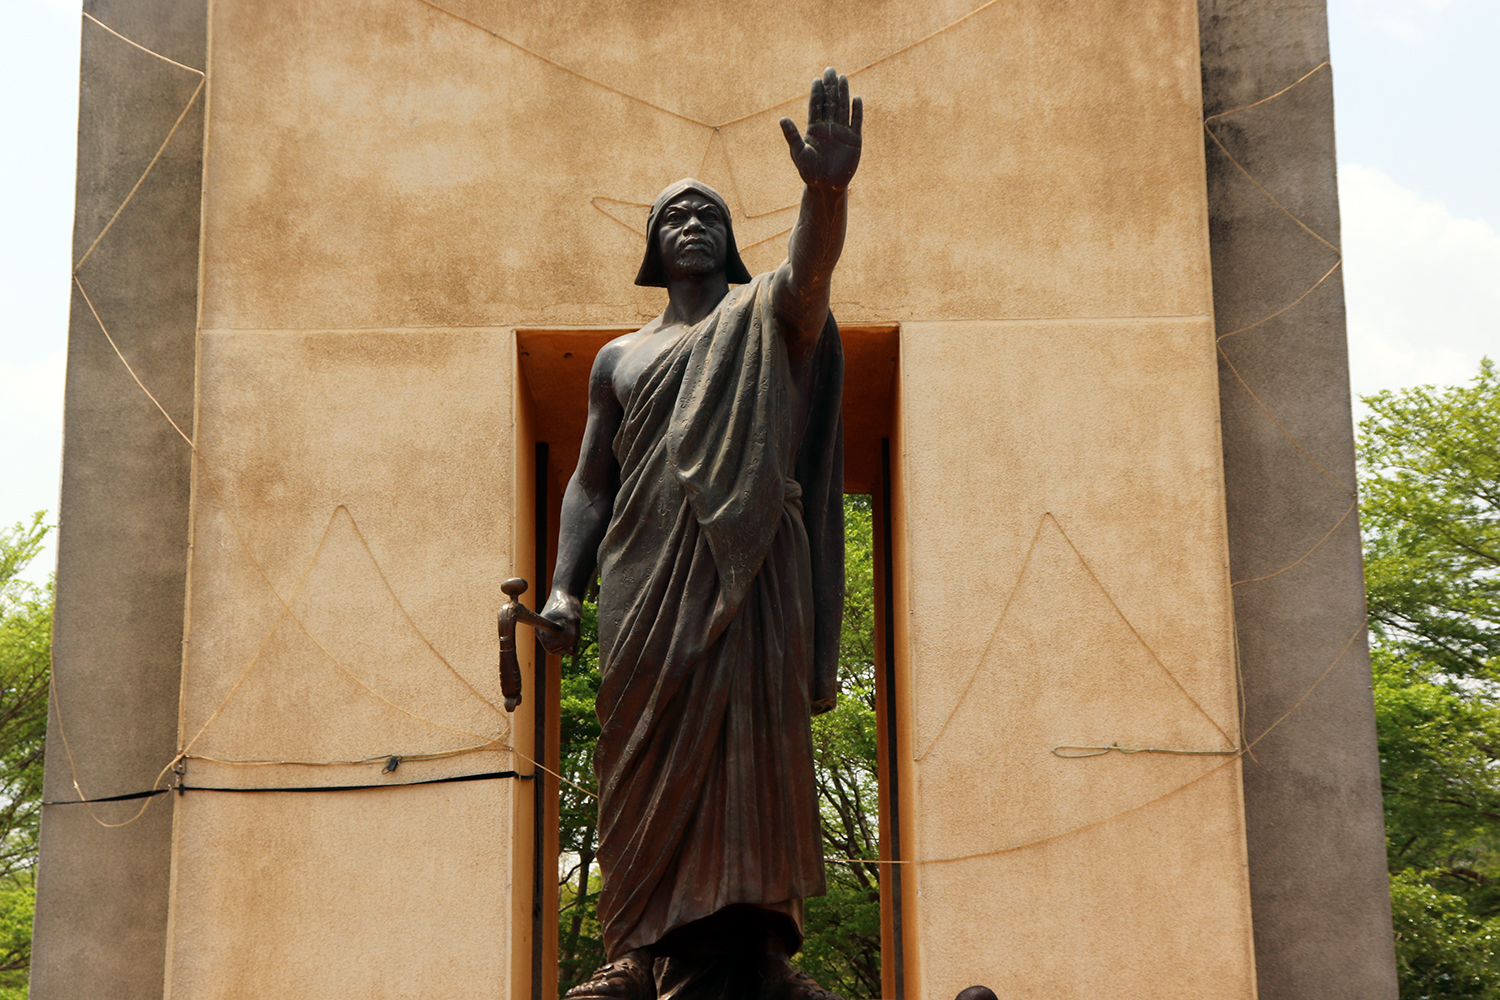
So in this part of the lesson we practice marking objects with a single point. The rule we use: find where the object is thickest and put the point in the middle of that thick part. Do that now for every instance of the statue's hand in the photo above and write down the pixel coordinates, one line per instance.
(829, 154)
(566, 610)
(825, 705)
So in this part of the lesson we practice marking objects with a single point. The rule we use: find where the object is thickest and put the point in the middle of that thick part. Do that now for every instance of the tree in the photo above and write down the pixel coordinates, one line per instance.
(842, 949)
(842, 946)
(1430, 484)
(580, 942)
(25, 662)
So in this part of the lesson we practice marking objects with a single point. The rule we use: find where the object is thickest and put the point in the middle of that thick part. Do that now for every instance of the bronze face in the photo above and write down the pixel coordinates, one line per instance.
(692, 236)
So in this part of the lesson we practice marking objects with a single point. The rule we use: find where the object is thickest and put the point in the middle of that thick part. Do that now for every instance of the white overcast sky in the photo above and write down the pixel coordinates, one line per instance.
(1416, 86)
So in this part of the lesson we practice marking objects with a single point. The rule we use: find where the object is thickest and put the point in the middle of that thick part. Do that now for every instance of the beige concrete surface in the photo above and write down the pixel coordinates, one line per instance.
(353, 520)
(1087, 606)
(384, 164)
(354, 894)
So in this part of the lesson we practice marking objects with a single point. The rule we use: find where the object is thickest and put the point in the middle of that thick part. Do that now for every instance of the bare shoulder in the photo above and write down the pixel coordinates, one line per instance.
(610, 354)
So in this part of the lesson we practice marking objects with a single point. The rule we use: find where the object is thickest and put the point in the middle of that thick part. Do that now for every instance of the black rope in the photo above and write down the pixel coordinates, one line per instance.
(181, 789)
(110, 798)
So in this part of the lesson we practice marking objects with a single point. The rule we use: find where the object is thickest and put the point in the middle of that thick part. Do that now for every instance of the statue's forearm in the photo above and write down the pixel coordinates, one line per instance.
(585, 518)
(816, 243)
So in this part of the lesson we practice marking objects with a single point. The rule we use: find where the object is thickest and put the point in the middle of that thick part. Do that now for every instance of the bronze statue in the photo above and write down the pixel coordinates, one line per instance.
(709, 486)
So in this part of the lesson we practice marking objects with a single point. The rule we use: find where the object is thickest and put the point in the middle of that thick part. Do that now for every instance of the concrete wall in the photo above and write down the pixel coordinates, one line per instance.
(1312, 787)
(391, 186)
(117, 643)
(391, 189)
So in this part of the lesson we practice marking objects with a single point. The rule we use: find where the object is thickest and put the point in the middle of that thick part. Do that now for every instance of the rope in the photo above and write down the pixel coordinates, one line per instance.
(493, 746)
(1248, 176)
(1015, 588)
(1285, 433)
(142, 179)
(1326, 275)
(73, 769)
(407, 615)
(299, 623)
(149, 795)
(1342, 518)
(202, 79)
(994, 634)
(287, 611)
(1295, 302)
(180, 789)
(128, 41)
(1115, 747)
(119, 354)
(1234, 755)
(563, 67)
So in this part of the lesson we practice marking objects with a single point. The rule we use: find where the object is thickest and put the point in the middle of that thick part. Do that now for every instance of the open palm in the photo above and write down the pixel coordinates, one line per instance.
(829, 154)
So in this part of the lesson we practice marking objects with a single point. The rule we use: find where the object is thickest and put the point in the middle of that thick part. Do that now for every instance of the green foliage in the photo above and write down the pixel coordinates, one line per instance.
(1431, 512)
(1442, 948)
(842, 946)
(1430, 484)
(580, 943)
(842, 950)
(17, 901)
(25, 662)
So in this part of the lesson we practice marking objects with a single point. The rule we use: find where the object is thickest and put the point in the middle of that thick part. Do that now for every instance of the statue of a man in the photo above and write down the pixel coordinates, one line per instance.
(709, 487)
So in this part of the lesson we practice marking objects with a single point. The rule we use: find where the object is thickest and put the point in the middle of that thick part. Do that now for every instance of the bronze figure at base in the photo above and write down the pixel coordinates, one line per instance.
(733, 955)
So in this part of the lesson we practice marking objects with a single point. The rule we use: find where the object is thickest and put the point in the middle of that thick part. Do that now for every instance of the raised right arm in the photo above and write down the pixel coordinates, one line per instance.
(587, 505)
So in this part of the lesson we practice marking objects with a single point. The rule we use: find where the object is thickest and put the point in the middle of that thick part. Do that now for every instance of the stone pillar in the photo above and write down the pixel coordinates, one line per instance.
(1314, 824)
(101, 911)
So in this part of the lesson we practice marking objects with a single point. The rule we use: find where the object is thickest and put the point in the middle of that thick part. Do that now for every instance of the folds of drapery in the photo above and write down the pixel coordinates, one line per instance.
(719, 606)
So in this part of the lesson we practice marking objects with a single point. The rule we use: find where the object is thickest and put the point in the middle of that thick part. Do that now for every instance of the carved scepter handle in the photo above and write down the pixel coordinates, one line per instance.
(511, 612)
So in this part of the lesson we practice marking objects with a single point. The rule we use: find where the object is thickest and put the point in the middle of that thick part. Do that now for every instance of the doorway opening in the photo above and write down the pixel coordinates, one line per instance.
(854, 934)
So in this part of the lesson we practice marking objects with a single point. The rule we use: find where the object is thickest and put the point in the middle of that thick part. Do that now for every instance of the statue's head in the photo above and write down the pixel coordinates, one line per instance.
(688, 196)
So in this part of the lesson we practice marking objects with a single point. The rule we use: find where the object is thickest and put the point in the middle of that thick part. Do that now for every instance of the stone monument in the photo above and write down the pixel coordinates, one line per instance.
(1094, 379)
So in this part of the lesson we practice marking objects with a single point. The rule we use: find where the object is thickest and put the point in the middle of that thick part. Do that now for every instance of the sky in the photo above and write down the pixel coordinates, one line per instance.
(1416, 92)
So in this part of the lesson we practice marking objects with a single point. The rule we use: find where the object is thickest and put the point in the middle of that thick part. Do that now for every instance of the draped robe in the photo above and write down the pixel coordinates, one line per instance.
(721, 592)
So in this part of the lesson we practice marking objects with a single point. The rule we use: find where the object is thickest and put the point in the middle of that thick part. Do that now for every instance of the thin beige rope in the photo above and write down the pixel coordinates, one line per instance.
(563, 67)
(73, 769)
(1010, 599)
(1234, 756)
(142, 179)
(1285, 433)
(301, 625)
(130, 41)
(1326, 275)
(160, 149)
(1354, 503)
(1295, 302)
(493, 744)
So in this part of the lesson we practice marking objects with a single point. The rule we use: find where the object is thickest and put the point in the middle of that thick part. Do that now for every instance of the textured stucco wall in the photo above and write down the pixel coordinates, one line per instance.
(352, 521)
(102, 893)
(1312, 789)
(1089, 608)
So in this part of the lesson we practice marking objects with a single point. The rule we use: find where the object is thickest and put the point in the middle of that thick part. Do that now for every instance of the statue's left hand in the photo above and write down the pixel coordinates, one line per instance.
(829, 154)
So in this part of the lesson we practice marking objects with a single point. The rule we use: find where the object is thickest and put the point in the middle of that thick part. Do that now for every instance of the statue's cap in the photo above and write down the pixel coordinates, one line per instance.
(652, 272)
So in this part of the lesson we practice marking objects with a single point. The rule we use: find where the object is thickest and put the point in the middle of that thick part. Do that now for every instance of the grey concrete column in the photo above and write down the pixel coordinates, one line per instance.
(1312, 788)
(101, 912)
